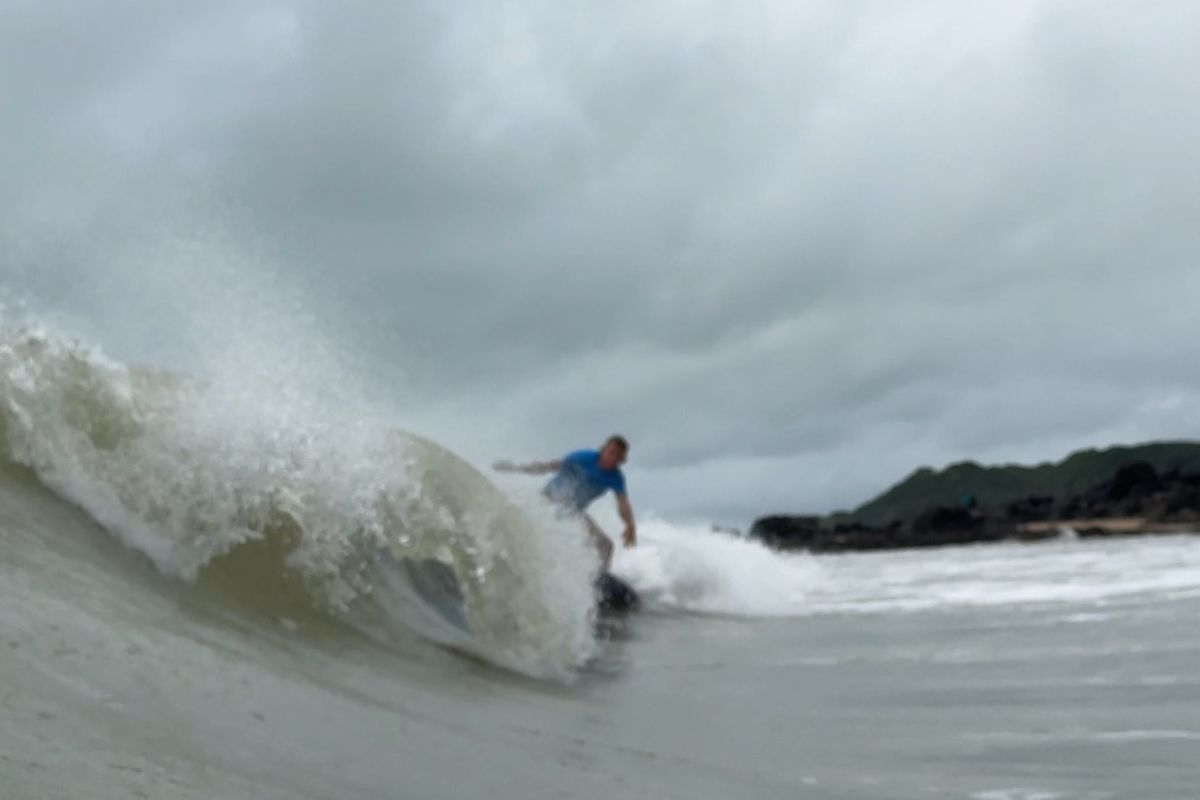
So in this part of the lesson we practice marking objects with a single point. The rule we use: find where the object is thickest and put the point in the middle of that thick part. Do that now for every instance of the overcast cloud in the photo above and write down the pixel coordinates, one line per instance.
(792, 250)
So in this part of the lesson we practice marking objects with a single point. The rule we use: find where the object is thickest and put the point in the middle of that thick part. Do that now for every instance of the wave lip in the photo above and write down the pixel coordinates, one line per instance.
(218, 484)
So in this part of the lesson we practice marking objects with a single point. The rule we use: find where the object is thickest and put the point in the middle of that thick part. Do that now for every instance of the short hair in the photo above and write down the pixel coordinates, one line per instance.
(619, 441)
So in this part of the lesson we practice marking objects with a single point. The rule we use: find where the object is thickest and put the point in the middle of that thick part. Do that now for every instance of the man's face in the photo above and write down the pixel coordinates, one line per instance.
(611, 456)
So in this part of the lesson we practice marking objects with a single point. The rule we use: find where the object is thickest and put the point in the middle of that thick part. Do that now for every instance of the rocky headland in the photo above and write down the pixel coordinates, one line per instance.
(1140, 497)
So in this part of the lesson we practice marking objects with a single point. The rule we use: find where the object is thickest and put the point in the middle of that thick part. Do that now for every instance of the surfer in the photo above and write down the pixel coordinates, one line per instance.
(579, 478)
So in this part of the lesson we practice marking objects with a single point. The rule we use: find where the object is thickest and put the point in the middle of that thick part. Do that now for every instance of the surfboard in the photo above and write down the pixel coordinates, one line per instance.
(614, 595)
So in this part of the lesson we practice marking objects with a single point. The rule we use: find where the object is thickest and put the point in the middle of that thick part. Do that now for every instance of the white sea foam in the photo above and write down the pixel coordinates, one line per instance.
(1147, 736)
(1018, 793)
(693, 568)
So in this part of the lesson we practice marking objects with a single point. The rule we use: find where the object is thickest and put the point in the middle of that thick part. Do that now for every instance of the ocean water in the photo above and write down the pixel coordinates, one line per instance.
(206, 592)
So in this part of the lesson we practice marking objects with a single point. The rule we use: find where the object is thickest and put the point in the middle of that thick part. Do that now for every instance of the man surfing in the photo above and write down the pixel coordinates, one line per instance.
(579, 478)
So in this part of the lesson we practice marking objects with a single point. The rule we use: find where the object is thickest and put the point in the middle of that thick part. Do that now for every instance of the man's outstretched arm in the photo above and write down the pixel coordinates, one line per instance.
(532, 468)
(626, 512)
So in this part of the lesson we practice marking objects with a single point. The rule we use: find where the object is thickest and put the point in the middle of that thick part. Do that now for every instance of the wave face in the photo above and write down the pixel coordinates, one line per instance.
(382, 529)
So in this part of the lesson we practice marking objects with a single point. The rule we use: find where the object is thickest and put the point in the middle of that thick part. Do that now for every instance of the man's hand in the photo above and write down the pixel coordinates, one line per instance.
(626, 512)
(630, 536)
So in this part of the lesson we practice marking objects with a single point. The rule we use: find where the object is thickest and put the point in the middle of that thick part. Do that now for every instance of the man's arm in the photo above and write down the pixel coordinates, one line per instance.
(626, 512)
(532, 468)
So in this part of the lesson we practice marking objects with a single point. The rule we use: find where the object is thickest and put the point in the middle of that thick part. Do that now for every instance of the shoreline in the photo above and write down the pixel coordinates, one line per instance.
(1104, 526)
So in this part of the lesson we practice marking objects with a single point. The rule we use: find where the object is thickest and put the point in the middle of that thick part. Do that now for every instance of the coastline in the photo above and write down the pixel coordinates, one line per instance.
(1104, 526)
(1137, 500)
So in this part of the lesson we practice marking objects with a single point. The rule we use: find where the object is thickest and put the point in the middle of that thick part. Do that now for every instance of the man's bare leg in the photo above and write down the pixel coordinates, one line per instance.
(603, 544)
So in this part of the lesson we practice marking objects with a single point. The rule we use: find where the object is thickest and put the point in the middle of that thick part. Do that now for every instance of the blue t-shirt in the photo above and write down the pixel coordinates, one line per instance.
(580, 480)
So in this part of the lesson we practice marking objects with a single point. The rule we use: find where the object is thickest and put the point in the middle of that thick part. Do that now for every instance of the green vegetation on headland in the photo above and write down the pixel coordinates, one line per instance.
(992, 486)
(1118, 491)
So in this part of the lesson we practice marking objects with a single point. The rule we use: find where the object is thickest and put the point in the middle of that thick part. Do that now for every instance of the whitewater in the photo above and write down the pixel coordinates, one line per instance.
(210, 587)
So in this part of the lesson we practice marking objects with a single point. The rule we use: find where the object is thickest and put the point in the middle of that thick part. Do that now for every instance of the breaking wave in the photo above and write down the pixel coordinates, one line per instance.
(380, 528)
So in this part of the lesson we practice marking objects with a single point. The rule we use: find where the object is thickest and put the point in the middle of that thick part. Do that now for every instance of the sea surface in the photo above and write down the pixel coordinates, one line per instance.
(203, 597)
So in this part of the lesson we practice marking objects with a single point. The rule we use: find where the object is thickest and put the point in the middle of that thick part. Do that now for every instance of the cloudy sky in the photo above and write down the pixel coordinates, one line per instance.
(792, 250)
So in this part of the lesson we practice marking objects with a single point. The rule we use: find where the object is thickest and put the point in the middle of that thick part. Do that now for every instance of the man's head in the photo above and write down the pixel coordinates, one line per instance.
(613, 452)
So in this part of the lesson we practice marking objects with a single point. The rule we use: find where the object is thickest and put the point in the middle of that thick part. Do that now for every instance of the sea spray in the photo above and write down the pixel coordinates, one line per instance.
(691, 567)
(189, 472)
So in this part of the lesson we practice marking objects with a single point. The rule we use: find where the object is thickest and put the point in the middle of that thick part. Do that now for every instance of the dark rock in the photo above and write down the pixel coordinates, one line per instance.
(1182, 496)
(1138, 479)
(1073, 508)
(944, 519)
(784, 532)
(1133, 508)
(1031, 509)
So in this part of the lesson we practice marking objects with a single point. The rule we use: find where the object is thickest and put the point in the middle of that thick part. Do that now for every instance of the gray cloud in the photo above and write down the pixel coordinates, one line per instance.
(793, 251)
